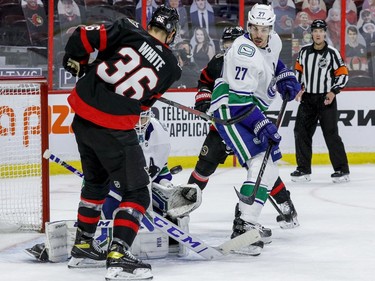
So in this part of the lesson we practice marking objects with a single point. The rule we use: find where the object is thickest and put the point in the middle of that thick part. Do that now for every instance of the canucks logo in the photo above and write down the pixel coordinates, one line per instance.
(271, 91)
(246, 50)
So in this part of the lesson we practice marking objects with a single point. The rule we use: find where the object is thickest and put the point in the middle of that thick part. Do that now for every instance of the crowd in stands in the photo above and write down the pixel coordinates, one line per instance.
(24, 23)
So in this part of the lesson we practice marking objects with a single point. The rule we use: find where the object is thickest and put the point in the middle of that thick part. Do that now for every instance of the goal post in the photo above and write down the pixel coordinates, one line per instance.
(24, 173)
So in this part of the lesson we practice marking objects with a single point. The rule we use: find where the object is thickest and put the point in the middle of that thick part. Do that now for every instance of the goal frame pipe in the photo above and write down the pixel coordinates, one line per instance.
(45, 216)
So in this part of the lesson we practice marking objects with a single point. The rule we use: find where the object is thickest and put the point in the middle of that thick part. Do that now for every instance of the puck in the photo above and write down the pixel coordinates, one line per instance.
(176, 169)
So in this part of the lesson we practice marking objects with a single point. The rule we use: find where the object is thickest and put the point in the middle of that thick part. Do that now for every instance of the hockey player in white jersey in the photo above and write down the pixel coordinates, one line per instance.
(167, 200)
(252, 76)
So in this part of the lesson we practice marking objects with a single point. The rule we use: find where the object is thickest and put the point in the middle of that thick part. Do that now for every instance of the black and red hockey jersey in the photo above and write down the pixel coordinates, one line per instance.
(211, 72)
(131, 71)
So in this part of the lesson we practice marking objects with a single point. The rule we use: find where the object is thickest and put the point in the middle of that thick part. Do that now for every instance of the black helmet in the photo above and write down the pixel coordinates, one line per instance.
(165, 18)
(319, 24)
(232, 32)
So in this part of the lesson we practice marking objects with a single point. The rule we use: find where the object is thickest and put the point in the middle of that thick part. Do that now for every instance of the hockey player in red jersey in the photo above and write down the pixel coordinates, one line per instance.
(132, 69)
(214, 151)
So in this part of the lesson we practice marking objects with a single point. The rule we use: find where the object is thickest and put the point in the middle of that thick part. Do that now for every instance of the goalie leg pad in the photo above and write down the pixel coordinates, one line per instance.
(56, 241)
(150, 245)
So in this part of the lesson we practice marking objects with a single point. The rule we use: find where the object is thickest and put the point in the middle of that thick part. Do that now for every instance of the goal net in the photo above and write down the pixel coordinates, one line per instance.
(24, 185)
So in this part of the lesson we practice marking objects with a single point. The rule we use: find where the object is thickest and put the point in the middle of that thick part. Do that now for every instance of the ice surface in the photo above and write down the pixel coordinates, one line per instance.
(335, 242)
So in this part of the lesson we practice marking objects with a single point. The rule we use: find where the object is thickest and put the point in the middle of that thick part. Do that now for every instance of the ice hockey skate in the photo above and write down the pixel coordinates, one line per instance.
(240, 226)
(289, 220)
(38, 251)
(122, 265)
(340, 176)
(298, 176)
(86, 253)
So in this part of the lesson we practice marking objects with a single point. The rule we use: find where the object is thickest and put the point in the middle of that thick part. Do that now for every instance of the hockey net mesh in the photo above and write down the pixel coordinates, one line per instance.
(20, 157)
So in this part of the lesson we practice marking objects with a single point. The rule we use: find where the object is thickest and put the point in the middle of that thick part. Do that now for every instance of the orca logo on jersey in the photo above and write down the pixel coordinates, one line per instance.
(246, 50)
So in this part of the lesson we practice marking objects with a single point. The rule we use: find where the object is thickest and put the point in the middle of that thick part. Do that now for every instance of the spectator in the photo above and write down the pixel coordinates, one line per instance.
(69, 16)
(36, 19)
(285, 11)
(364, 17)
(334, 27)
(356, 55)
(190, 70)
(301, 33)
(202, 15)
(150, 9)
(302, 26)
(350, 12)
(369, 35)
(203, 51)
(369, 5)
(184, 28)
(316, 9)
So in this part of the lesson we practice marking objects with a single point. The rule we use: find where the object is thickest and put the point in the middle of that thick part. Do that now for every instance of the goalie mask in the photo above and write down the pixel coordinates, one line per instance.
(142, 125)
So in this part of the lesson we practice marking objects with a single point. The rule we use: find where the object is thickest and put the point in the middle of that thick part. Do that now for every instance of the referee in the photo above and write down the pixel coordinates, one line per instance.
(322, 72)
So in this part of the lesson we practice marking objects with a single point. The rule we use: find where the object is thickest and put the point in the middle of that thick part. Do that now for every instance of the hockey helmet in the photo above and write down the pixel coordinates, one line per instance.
(232, 32)
(165, 18)
(261, 14)
(142, 124)
(318, 24)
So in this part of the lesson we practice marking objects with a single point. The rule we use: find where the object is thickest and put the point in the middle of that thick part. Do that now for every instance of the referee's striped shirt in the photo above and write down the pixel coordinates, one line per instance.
(321, 71)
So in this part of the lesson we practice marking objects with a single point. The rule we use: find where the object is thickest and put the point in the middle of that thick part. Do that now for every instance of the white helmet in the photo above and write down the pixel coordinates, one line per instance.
(261, 14)
(142, 124)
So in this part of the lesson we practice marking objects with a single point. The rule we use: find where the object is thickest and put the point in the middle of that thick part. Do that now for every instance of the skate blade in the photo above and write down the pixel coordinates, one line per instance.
(117, 273)
(34, 254)
(249, 251)
(341, 179)
(305, 178)
(266, 240)
(289, 225)
(85, 263)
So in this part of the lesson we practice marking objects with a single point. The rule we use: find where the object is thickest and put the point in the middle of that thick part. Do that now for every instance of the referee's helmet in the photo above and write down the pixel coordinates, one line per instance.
(318, 24)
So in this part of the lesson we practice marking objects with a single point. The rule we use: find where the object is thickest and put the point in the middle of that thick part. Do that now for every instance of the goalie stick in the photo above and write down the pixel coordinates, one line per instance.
(185, 238)
(249, 200)
(207, 117)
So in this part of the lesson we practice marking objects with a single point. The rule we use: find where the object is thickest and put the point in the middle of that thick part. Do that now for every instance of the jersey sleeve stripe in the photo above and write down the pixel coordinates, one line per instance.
(298, 67)
(85, 41)
(103, 38)
(342, 70)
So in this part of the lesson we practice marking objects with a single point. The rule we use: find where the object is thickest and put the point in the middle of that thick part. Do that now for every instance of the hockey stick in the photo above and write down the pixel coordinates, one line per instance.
(207, 117)
(276, 207)
(175, 232)
(249, 200)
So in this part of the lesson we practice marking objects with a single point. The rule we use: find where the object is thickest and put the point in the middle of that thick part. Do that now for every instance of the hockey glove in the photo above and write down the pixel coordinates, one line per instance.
(264, 129)
(287, 84)
(75, 66)
(203, 100)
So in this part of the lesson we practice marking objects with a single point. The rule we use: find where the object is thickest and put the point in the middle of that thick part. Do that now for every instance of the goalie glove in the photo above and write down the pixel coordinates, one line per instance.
(75, 66)
(171, 202)
(287, 84)
(203, 100)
